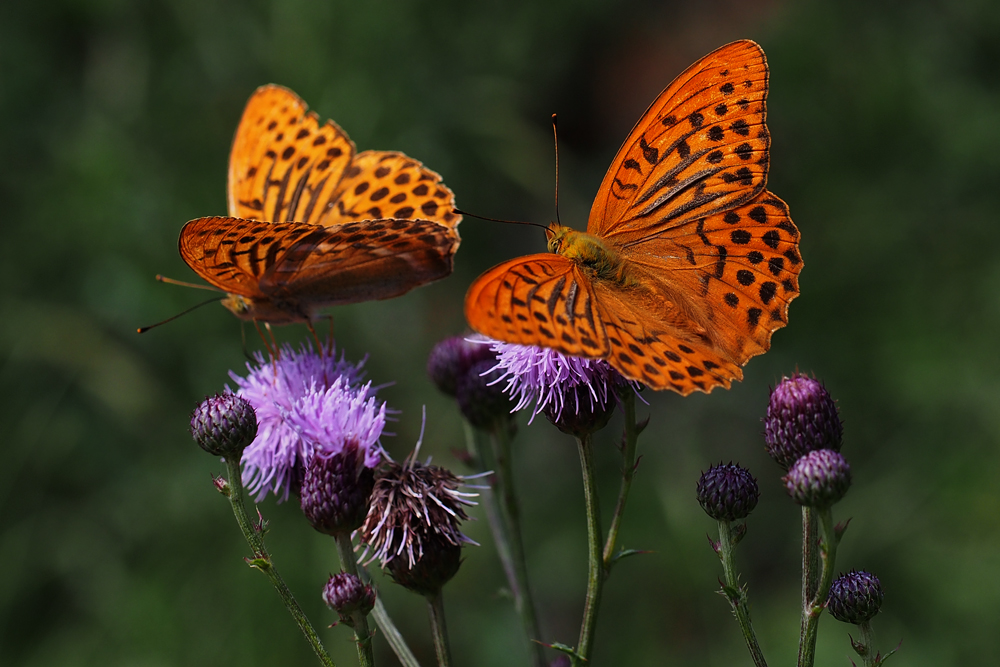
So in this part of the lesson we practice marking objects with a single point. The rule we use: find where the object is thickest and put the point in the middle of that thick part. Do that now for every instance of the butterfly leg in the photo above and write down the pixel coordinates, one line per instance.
(312, 330)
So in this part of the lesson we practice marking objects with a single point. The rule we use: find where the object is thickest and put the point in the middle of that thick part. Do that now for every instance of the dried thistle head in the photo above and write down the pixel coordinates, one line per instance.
(413, 524)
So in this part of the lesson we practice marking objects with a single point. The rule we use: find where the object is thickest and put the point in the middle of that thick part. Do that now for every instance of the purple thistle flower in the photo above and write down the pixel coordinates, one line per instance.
(274, 461)
(548, 379)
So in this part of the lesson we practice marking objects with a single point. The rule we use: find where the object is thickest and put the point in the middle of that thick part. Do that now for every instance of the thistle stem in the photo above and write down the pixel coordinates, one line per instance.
(867, 648)
(262, 561)
(435, 606)
(736, 593)
(388, 628)
(828, 556)
(511, 514)
(349, 564)
(596, 572)
(503, 515)
(627, 397)
(810, 570)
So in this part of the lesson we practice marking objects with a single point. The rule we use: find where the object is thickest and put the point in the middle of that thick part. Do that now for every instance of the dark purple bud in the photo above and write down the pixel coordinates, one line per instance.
(801, 417)
(580, 413)
(224, 425)
(481, 397)
(430, 570)
(451, 359)
(818, 479)
(855, 597)
(727, 492)
(336, 491)
(345, 594)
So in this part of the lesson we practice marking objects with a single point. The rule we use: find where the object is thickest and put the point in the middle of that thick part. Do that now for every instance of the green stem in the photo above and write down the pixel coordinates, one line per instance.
(511, 514)
(828, 554)
(262, 561)
(628, 472)
(596, 572)
(736, 593)
(810, 571)
(388, 628)
(435, 605)
(868, 652)
(362, 634)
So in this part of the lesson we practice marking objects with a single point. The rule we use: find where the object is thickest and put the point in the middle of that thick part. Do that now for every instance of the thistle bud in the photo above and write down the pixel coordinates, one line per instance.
(223, 425)
(818, 479)
(428, 572)
(727, 492)
(336, 490)
(579, 413)
(855, 597)
(481, 397)
(801, 417)
(451, 359)
(345, 594)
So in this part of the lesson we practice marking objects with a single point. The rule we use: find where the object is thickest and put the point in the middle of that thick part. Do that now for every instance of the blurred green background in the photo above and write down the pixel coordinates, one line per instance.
(115, 124)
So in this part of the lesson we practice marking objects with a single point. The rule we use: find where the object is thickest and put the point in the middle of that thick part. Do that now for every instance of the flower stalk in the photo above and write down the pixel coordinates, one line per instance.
(389, 630)
(262, 560)
(510, 513)
(629, 441)
(595, 560)
(363, 636)
(439, 629)
(828, 556)
(735, 592)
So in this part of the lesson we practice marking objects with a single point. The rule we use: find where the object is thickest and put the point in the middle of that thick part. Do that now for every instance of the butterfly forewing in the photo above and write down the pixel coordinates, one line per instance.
(387, 184)
(742, 265)
(362, 261)
(701, 147)
(284, 166)
(232, 253)
(540, 300)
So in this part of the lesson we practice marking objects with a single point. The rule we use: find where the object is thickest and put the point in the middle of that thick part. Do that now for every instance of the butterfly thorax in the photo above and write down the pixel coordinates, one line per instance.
(268, 310)
(592, 254)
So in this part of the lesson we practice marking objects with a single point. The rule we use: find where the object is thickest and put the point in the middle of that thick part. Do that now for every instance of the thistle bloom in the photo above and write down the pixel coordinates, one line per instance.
(339, 427)
(413, 526)
(274, 461)
(549, 380)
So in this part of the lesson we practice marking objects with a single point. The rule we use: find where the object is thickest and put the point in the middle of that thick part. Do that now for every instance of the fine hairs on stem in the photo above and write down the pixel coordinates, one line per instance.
(262, 561)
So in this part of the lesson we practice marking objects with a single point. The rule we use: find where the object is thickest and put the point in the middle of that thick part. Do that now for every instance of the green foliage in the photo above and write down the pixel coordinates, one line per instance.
(115, 122)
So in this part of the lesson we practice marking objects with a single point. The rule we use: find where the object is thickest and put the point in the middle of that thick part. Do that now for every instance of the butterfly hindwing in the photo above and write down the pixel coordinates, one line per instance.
(743, 265)
(540, 300)
(362, 261)
(701, 147)
(388, 184)
(284, 165)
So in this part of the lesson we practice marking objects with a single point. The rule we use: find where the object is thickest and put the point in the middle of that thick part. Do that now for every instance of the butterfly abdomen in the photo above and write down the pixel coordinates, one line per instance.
(593, 255)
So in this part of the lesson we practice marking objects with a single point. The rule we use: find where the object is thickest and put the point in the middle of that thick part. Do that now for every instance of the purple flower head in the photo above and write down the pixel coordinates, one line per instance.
(274, 460)
(855, 597)
(548, 379)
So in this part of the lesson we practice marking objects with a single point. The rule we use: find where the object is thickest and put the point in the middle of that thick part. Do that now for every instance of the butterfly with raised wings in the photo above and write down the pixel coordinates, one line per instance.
(688, 263)
(313, 223)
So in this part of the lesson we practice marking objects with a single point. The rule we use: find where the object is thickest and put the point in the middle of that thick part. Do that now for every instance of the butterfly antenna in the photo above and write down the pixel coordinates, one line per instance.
(555, 135)
(171, 319)
(171, 281)
(508, 222)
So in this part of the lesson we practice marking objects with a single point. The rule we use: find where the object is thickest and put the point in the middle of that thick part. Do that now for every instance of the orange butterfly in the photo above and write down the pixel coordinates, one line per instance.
(688, 263)
(314, 224)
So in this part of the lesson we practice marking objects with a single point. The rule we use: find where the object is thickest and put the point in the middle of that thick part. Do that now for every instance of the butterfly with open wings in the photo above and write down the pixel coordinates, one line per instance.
(312, 223)
(688, 263)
